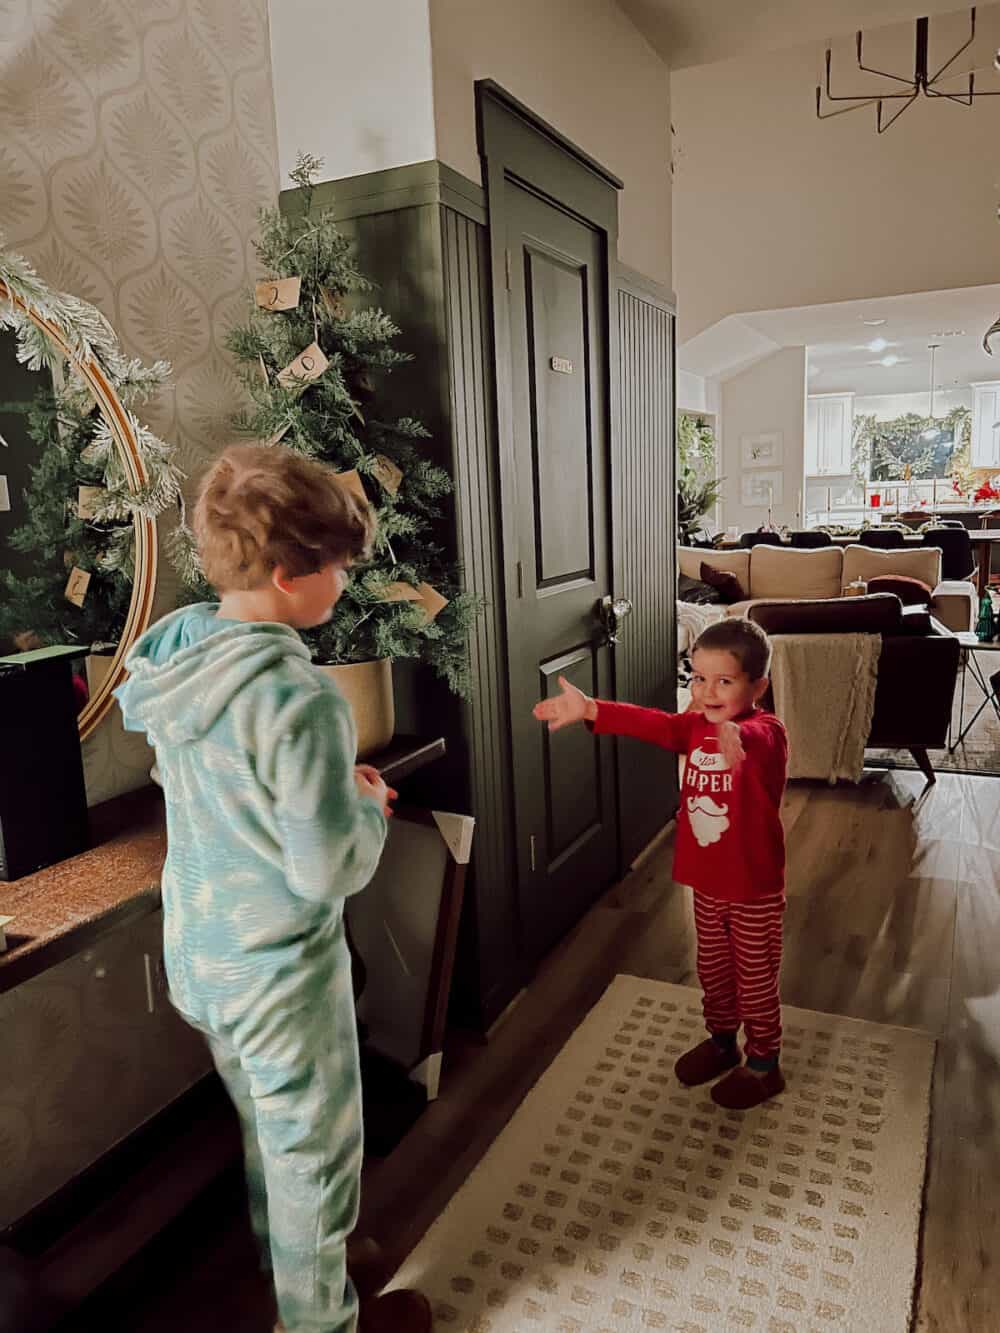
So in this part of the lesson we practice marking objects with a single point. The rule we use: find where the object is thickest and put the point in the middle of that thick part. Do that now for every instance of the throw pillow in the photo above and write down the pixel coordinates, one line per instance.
(911, 592)
(728, 585)
(693, 590)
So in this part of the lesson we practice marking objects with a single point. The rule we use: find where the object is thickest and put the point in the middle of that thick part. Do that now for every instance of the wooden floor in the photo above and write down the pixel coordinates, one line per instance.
(894, 915)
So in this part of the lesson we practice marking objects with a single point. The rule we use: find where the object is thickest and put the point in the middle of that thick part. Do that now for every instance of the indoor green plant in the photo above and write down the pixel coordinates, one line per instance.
(698, 488)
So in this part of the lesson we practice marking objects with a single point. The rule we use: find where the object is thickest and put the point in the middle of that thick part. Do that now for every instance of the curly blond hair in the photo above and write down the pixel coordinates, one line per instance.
(263, 506)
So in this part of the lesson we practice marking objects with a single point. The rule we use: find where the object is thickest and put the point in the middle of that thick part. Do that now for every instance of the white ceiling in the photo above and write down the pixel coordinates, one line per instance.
(840, 358)
(700, 32)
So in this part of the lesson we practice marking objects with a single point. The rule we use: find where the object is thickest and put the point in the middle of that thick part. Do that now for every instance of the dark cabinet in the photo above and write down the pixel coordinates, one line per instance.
(91, 1050)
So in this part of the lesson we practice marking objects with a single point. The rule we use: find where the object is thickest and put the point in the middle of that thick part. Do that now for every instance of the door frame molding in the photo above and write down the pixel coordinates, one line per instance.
(516, 145)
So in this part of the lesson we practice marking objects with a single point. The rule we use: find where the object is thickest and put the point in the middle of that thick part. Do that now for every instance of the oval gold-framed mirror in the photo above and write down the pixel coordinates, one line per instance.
(122, 427)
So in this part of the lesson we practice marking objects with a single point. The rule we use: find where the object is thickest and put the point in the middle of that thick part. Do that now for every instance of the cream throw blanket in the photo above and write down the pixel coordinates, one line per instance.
(824, 692)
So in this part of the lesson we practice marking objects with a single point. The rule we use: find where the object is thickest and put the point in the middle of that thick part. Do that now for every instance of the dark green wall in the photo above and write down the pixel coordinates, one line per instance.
(419, 233)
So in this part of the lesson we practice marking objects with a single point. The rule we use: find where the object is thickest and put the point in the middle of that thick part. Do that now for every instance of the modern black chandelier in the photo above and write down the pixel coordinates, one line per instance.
(921, 82)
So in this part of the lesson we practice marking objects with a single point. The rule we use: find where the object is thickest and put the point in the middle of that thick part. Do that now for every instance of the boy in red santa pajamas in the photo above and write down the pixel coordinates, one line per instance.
(730, 847)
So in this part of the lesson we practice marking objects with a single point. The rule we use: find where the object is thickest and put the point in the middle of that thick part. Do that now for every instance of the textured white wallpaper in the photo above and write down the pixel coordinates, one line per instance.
(137, 142)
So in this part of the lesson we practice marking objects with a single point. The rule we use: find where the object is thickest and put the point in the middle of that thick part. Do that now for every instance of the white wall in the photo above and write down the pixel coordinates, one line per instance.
(769, 397)
(582, 66)
(698, 393)
(352, 83)
(888, 406)
(773, 208)
(380, 84)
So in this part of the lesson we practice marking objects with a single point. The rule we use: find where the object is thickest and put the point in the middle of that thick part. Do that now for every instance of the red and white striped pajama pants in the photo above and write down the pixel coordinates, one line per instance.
(739, 959)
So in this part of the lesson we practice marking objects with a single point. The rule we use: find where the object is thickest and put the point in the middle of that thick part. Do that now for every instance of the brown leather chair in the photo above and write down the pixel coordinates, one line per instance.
(882, 539)
(917, 668)
(990, 523)
(955, 546)
(751, 539)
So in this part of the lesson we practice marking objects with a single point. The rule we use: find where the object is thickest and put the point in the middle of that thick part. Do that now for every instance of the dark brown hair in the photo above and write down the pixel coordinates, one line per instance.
(746, 641)
(262, 506)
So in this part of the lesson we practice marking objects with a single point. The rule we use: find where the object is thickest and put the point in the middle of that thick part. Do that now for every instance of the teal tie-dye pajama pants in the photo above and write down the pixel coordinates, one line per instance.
(294, 1078)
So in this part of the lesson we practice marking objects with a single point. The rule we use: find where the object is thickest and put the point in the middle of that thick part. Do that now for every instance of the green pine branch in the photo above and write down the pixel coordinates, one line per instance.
(74, 446)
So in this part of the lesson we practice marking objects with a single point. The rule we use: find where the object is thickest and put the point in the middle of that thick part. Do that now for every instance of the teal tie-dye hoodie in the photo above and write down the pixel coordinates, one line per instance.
(266, 832)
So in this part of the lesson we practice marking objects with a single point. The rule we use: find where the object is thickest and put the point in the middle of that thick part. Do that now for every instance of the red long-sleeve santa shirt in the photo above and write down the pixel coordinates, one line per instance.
(730, 843)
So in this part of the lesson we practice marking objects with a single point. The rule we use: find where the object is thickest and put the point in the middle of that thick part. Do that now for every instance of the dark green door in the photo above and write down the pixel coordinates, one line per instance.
(559, 571)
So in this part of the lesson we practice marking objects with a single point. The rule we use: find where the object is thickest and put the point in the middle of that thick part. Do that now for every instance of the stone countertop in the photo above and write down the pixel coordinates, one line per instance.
(64, 908)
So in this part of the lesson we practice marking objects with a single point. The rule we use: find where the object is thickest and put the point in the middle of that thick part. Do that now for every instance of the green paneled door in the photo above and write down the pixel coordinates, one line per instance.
(557, 482)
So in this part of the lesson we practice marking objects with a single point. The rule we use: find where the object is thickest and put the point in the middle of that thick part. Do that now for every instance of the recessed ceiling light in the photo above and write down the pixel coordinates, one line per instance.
(878, 345)
(872, 323)
(889, 361)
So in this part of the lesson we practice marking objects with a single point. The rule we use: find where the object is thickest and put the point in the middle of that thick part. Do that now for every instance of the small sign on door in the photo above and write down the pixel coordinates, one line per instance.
(561, 365)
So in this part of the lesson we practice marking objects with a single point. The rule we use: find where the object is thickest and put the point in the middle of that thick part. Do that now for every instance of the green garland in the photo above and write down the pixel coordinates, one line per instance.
(883, 450)
(76, 448)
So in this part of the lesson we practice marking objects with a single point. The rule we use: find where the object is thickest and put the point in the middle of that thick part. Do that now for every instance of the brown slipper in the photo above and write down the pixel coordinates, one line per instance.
(369, 1267)
(396, 1312)
(704, 1062)
(743, 1089)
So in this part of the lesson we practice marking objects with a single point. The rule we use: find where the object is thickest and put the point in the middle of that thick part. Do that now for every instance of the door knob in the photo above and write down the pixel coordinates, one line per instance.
(612, 612)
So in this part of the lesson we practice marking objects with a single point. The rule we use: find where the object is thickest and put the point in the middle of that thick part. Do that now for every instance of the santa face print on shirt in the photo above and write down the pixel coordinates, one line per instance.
(707, 782)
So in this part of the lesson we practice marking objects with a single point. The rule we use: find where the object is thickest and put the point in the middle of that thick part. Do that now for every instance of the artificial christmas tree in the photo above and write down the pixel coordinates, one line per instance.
(313, 361)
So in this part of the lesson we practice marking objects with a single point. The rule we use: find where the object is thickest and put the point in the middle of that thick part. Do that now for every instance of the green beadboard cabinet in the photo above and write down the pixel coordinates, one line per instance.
(421, 233)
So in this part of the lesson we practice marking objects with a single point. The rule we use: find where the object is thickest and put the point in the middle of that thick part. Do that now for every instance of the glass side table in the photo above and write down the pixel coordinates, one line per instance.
(973, 653)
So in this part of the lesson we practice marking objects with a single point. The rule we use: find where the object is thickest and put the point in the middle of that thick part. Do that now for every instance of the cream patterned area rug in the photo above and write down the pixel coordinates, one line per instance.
(617, 1200)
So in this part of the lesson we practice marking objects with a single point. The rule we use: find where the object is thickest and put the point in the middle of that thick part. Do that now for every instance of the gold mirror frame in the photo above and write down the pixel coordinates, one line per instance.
(144, 584)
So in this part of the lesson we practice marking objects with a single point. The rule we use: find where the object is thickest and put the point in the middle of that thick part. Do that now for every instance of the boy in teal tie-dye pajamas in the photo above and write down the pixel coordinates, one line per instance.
(270, 826)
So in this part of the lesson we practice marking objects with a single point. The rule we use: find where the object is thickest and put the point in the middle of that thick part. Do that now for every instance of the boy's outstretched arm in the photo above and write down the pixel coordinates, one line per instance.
(564, 709)
(668, 730)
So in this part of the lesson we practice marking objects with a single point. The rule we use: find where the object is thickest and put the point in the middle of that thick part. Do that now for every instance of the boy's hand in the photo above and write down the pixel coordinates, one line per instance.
(370, 784)
(563, 709)
(730, 744)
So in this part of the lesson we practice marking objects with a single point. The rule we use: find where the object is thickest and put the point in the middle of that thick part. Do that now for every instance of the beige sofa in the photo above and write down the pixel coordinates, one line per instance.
(774, 572)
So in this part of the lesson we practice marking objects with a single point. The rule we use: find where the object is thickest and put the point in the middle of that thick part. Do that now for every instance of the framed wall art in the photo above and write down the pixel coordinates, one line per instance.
(762, 450)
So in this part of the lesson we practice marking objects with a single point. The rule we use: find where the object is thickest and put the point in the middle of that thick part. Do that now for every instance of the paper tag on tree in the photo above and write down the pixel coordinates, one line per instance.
(278, 293)
(358, 413)
(351, 481)
(432, 601)
(388, 474)
(402, 592)
(333, 304)
(76, 587)
(88, 498)
(262, 371)
(307, 366)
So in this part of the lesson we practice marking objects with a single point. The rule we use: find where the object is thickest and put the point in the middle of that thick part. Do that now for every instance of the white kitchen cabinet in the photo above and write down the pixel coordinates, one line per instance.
(985, 450)
(829, 431)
